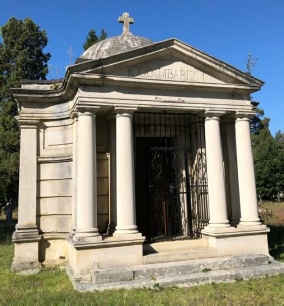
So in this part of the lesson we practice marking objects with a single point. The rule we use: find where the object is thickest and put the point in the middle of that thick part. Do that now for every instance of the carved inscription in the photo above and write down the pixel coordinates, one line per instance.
(166, 73)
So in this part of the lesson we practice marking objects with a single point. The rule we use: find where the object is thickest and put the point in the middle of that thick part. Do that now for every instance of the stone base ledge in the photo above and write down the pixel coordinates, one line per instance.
(81, 239)
(54, 236)
(25, 268)
(240, 243)
(107, 242)
(58, 263)
(252, 228)
(236, 231)
(26, 234)
(109, 253)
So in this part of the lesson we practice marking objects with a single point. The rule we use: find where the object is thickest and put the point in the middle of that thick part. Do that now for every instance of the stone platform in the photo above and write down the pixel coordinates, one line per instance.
(183, 273)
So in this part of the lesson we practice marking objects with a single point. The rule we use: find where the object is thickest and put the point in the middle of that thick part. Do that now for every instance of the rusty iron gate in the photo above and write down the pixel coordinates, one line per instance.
(170, 176)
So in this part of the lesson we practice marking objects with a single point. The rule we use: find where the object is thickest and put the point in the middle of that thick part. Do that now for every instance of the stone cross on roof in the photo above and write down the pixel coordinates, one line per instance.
(126, 20)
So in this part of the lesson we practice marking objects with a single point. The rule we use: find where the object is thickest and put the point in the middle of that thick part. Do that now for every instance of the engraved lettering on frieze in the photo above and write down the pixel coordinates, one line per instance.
(166, 73)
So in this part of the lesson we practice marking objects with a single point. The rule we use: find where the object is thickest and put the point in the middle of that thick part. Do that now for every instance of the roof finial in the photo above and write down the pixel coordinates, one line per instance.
(126, 20)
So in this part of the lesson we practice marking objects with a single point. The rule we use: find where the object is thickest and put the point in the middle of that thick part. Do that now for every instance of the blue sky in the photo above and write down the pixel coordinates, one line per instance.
(226, 29)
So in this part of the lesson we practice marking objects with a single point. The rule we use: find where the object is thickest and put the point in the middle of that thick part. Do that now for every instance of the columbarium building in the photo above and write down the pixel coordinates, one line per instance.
(142, 147)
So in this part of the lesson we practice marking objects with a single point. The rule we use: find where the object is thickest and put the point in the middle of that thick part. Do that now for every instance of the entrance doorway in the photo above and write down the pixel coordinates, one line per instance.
(166, 179)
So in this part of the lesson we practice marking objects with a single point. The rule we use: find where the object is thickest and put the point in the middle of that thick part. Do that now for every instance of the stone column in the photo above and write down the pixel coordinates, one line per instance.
(216, 183)
(247, 189)
(112, 175)
(232, 168)
(125, 180)
(26, 236)
(87, 230)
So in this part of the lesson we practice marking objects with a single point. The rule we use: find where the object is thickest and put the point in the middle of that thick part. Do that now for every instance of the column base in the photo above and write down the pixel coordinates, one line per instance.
(251, 226)
(25, 233)
(126, 236)
(90, 235)
(218, 230)
(26, 256)
(126, 232)
(129, 229)
(250, 222)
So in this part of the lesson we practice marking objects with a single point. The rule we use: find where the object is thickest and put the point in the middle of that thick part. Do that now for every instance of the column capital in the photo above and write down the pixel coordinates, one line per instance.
(87, 109)
(25, 123)
(84, 114)
(120, 110)
(244, 115)
(211, 114)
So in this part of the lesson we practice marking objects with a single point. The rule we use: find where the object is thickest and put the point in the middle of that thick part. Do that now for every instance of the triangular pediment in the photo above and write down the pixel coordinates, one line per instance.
(171, 61)
(166, 68)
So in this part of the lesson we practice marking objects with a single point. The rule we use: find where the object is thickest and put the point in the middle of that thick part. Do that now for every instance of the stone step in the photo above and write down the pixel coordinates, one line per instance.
(177, 255)
(198, 265)
(187, 244)
(153, 271)
(227, 269)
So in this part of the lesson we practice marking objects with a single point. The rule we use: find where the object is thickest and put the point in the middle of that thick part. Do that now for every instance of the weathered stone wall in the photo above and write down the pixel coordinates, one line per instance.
(55, 184)
(55, 177)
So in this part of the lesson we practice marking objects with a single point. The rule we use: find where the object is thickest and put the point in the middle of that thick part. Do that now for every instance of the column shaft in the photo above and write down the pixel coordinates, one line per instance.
(126, 219)
(215, 172)
(87, 180)
(247, 189)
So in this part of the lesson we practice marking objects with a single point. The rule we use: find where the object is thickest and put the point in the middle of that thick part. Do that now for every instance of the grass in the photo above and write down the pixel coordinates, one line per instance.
(272, 214)
(52, 287)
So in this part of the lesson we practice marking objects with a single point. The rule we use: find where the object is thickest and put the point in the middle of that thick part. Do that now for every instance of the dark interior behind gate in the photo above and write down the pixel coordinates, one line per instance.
(170, 176)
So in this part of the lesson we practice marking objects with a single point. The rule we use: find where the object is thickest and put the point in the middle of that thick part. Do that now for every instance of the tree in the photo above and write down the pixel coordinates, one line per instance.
(92, 38)
(21, 57)
(256, 123)
(279, 137)
(268, 162)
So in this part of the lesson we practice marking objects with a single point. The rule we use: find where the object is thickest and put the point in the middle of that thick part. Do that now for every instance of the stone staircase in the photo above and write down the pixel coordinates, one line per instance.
(179, 267)
(176, 251)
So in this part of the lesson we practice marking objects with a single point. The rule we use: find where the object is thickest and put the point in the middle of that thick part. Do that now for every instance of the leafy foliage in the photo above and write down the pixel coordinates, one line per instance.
(92, 38)
(279, 137)
(268, 159)
(256, 121)
(21, 57)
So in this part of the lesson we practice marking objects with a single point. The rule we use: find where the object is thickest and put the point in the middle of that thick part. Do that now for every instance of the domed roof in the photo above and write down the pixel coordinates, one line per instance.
(117, 44)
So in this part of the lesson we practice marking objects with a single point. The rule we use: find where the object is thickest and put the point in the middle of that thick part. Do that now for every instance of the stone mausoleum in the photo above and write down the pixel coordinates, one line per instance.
(141, 149)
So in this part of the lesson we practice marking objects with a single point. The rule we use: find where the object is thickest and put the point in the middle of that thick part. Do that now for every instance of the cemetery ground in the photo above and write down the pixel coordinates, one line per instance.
(52, 287)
